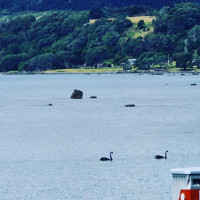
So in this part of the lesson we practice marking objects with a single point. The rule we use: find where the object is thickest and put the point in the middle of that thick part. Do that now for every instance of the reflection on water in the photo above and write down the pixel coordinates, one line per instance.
(53, 152)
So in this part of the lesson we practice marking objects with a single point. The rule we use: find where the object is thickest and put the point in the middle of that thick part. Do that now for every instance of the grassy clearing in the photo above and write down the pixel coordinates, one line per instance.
(92, 21)
(174, 70)
(99, 71)
(134, 20)
(12, 72)
(134, 32)
(147, 19)
(84, 71)
(141, 33)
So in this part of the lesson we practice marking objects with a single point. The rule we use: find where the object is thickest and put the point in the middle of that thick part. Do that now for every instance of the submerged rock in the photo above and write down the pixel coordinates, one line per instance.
(93, 97)
(130, 105)
(77, 94)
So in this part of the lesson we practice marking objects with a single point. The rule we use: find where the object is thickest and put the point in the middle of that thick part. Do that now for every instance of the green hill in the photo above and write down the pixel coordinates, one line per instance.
(65, 39)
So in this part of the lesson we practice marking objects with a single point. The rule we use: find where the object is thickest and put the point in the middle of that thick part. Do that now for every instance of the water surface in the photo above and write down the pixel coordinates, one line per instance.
(52, 153)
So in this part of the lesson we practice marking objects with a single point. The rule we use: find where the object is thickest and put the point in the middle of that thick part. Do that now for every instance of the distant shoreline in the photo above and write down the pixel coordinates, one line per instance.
(104, 71)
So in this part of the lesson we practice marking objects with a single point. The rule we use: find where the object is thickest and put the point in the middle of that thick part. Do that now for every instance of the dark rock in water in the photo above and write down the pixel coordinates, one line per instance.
(130, 105)
(93, 97)
(50, 104)
(77, 94)
(193, 84)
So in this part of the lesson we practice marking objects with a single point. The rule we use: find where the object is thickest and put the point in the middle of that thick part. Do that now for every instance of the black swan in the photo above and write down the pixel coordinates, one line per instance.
(161, 157)
(107, 159)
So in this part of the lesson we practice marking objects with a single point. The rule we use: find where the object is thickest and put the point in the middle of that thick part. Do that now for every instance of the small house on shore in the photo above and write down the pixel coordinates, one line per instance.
(131, 61)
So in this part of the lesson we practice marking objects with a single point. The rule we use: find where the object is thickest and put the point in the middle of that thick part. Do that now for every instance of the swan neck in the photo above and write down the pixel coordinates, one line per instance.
(110, 156)
(165, 155)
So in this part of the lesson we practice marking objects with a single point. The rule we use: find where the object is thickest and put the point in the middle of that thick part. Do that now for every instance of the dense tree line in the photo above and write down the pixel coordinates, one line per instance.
(41, 5)
(179, 27)
(63, 39)
(58, 40)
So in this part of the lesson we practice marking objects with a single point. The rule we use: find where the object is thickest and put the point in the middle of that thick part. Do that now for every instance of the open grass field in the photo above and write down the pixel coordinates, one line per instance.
(147, 19)
(92, 21)
(84, 71)
(100, 71)
(134, 33)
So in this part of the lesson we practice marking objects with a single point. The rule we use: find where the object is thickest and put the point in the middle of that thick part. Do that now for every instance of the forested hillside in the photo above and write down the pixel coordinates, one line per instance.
(65, 39)
(41, 5)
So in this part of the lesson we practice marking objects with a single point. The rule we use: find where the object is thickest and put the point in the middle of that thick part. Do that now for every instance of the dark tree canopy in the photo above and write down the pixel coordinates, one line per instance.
(141, 24)
(24, 5)
(96, 13)
(67, 39)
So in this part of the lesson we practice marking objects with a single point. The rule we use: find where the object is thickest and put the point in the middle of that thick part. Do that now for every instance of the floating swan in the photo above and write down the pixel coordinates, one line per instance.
(161, 157)
(107, 159)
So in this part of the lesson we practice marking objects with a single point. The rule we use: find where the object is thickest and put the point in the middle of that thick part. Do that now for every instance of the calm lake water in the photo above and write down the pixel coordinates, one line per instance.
(52, 153)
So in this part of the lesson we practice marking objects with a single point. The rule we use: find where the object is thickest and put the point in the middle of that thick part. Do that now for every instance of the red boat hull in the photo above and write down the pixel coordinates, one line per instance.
(189, 194)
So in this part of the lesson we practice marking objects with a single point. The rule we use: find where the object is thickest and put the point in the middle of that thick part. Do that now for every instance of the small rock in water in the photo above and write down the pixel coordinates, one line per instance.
(93, 97)
(77, 94)
(193, 84)
(130, 105)
(50, 104)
